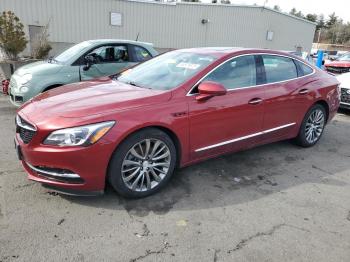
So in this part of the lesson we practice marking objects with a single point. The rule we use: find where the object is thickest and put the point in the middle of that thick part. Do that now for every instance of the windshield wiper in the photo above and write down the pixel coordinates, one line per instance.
(133, 84)
(137, 85)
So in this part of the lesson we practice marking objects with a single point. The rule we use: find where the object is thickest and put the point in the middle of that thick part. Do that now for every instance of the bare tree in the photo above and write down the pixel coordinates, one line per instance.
(41, 46)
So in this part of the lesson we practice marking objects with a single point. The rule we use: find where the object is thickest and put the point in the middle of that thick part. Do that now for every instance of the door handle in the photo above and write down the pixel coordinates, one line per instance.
(303, 91)
(255, 101)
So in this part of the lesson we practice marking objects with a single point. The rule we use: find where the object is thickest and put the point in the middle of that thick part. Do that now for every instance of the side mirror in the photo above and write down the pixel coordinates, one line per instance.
(208, 89)
(89, 61)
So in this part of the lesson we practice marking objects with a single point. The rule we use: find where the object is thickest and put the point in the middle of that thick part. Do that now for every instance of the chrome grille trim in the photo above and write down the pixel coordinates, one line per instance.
(24, 124)
(61, 175)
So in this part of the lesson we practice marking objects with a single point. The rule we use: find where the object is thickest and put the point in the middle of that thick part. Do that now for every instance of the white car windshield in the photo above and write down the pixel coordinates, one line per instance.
(66, 55)
(166, 71)
(345, 57)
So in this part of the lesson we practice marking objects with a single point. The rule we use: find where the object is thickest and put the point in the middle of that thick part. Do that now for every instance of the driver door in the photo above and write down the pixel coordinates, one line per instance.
(108, 60)
(232, 121)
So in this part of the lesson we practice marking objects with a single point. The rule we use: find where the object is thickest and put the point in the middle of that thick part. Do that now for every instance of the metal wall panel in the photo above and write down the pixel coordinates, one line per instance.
(165, 25)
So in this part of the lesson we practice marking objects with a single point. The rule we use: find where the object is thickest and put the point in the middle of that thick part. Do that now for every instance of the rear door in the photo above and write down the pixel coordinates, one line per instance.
(287, 95)
(232, 121)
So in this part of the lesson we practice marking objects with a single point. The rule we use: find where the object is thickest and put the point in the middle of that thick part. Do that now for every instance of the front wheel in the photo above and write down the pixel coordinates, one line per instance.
(142, 164)
(312, 126)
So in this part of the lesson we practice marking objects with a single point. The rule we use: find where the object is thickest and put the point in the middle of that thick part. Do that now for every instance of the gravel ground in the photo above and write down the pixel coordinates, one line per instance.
(273, 203)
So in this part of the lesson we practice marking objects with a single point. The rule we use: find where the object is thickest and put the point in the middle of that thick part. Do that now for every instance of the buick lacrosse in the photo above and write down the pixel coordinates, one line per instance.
(133, 129)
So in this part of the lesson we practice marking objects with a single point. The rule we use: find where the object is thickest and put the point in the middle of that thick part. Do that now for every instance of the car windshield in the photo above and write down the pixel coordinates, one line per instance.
(345, 57)
(166, 71)
(67, 54)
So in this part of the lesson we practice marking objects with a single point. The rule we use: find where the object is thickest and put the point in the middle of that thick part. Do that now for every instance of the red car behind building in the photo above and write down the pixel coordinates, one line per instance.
(179, 108)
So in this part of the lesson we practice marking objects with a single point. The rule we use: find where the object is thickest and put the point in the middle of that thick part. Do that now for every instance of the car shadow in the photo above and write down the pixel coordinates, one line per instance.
(344, 111)
(242, 177)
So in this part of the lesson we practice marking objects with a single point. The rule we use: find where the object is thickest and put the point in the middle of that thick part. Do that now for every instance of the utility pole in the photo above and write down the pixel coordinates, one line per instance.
(319, 37)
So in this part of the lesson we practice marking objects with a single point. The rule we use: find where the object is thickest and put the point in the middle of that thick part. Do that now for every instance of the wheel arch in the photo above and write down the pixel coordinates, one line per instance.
(172, 134)
(176, 141)
(325, 105)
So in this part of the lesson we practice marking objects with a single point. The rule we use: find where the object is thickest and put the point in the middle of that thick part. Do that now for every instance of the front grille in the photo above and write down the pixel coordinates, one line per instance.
(26, 130)
(26, 135)
(345, 97)
(17, 99)
(338, 70)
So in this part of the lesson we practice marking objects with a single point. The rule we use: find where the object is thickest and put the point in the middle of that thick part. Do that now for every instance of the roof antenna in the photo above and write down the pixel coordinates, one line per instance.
(137, 37)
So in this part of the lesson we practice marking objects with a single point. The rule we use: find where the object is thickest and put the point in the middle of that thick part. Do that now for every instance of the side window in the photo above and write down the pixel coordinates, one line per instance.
(305, 70)
(110, 54)
(235, 73)
(141, 54)
(279, 68)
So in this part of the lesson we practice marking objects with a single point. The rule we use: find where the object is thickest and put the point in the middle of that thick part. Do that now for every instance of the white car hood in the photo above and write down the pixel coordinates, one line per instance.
(344, 80)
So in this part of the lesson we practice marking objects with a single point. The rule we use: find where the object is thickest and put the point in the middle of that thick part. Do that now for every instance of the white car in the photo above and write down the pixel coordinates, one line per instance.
(344, 80)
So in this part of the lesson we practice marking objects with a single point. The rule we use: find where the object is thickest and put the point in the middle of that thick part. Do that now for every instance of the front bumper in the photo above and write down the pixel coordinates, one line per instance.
(344, 105)
(345, 98)
(70, 170)
(337, 70)
(16, 100)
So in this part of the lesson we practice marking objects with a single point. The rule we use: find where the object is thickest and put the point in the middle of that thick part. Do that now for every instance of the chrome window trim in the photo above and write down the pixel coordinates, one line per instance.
(68, 175)
(344, 103)
(23, 125)
(229, 90)
(244, 137)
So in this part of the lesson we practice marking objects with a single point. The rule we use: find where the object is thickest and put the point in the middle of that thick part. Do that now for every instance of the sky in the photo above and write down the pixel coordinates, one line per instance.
(340, 7)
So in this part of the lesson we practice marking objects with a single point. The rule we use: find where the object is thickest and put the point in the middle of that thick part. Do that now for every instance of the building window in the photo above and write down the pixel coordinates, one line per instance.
(116, 19)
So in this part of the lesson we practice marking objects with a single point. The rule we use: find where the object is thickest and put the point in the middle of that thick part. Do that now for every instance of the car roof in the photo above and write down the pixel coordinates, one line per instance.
(226, 51)
(126, 41)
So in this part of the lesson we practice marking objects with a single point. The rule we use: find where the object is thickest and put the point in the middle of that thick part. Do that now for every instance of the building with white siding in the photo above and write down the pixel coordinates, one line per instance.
(166, 25)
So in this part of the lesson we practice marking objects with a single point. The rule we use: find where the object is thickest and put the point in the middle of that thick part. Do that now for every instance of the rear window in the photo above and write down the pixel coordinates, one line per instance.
(279, 68)
(305, 69)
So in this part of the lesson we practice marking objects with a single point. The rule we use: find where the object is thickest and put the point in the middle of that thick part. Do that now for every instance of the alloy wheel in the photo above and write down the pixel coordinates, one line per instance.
(146, 164)
(314, 126)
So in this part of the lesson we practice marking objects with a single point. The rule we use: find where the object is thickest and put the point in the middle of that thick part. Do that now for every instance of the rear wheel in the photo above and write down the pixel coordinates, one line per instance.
(312, 126)
(143, 163)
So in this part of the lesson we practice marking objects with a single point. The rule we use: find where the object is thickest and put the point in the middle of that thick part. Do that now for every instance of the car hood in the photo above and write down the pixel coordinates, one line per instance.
(344, 80)
(39, 68)
(338, 64)
(88, 100)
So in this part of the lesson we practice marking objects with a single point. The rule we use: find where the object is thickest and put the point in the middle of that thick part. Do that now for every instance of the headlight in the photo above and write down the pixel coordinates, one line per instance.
(24, 79)
(23, 89)
(79, 136)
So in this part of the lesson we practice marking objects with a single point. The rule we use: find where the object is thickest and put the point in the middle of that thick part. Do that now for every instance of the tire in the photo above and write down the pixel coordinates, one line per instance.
(131, 161)
(312, 127)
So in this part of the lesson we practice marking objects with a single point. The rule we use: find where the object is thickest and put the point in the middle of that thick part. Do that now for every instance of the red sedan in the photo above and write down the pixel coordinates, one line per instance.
(182, 107)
